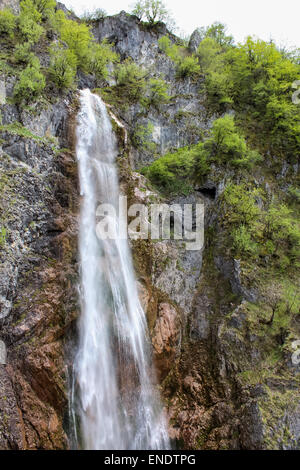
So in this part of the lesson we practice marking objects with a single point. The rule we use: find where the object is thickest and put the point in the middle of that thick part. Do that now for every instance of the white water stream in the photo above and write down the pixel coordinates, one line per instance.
(119, 407)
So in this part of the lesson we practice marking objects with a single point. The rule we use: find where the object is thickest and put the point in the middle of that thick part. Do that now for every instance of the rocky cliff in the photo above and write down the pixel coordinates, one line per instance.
(222, 384)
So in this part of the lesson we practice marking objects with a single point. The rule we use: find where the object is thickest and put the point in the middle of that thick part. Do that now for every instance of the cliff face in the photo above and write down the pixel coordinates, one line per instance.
(200, 305)
(39, 200)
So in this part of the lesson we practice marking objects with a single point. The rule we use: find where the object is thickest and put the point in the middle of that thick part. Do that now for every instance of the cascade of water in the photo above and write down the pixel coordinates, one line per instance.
(119, 407)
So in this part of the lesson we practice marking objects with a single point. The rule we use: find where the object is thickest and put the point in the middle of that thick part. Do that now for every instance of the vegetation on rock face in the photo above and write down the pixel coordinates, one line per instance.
(153, 10)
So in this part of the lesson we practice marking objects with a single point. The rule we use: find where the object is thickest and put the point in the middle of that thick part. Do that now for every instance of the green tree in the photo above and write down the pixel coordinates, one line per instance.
(45, 7)
(7, 22)
(99, 56)
(156, 93)
(30, 84)
(29, 22)
(217, 31)
(130, 78)
(63, 66)
(153, 10)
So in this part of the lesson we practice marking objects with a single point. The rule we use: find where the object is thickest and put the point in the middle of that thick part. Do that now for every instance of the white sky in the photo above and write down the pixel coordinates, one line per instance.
(276, 19)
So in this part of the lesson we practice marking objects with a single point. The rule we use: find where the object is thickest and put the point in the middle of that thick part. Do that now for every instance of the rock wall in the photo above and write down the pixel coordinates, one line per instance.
(38, 274)
(198, 304)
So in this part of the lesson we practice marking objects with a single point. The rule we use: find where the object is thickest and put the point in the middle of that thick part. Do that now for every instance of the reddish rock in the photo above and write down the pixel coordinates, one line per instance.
(166, 338)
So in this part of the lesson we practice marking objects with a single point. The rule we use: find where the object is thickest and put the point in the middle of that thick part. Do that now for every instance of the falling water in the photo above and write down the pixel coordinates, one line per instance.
(118, 405)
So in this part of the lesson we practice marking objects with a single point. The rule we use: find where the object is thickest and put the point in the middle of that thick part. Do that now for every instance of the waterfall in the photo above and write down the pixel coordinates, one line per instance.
(118, 405)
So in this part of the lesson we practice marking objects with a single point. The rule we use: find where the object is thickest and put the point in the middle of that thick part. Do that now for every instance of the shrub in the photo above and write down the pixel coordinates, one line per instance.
(23, 54)
(99, 56)
(63, 66)
(131, 78)
(142, 137)
(96, 15)
(153, 10)
(242, 241)
(241, 205)
(7, 22)
(188, 67)
(29, 22)
(77, 37)
(228, 146)
(45, 7)
(174, 172)
(30, 85)
(157, 93)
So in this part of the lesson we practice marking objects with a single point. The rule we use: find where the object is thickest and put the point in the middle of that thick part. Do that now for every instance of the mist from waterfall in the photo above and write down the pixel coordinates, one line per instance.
(117, 403)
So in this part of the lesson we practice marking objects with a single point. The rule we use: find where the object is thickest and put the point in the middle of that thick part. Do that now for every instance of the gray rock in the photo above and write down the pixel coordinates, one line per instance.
(195, 40)
(2, 353)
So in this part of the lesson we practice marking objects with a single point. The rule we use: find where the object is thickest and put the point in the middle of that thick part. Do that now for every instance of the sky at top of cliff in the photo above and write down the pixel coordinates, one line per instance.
(266, 19)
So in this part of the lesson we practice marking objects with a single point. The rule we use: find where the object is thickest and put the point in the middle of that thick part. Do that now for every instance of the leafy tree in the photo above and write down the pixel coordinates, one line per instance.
(241, 207)
(96, 15)
(171, 172)
(45, 7)
(29, 22)
(243, 242)
(209, 52)
(23, 53)
(131, 79)
(217, 31)
(7, 22)
(228, 146)
(31, 83)
(63, 66)
(99, 56)
(78, 38)
(187, 66)
(156, 93)
(153, 10)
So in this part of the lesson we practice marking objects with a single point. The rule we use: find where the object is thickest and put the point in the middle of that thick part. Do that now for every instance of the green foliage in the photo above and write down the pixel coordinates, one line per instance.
(142, 137)
(99, 56)
(77, 37)
(171, 171)
(209, 51)
(256, 79)
(271, 232)
(23, 54)
(30, 85)
(91, 16)
(241, 206)
(242, 241)
(174, 172)
(62, 68)
(226, 145)
(131, 79)
(186, 65)
(156, 93)
(7, 22)
(153, 10)
(45, 7)
(91, 57)
(217, 32)
(29, 22)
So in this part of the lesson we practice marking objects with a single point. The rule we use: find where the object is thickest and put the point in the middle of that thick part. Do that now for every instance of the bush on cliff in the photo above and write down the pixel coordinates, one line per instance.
(29, 22)
(30, 85)
(7, 22)
(62, 69)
